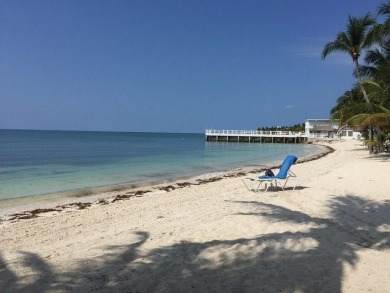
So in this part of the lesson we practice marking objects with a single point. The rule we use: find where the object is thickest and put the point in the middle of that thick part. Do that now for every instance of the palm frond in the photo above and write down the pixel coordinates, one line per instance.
(379, 93)
(383, 9)
(366, 71)
(379, 119)
(370, 142)
(332, 47)
(384, 109)
(374, 57)
(357, 120)
(354, 39)
(376, 92)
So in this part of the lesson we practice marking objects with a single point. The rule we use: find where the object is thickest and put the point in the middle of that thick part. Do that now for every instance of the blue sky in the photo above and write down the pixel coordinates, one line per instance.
(170, 66)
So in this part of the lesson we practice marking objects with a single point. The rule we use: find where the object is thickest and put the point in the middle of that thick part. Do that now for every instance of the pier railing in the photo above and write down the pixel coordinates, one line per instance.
(254, 133)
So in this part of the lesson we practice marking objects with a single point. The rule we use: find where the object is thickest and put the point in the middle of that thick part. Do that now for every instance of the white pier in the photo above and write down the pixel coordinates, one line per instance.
(259, 136)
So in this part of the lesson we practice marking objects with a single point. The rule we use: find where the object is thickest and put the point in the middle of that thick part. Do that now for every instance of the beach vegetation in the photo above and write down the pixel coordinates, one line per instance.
(367, 104)
(344, 102)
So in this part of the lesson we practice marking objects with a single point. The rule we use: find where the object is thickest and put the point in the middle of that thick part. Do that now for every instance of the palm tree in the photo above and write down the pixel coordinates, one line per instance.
(352, 110)
(380, 119)
(358, 37)
(378, 60)
(380, 113)
(353, 41)
(344, 102)
(378, 64)
(384, 9)
(379, 92)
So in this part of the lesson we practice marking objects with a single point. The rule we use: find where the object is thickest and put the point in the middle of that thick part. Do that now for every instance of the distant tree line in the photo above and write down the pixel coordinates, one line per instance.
(296, 127)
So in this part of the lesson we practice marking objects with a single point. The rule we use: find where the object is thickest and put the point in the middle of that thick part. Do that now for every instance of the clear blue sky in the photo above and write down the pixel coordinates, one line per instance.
(170, 65)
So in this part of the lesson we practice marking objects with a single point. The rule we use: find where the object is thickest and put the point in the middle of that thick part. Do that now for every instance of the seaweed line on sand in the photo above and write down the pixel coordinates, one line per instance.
(139, 193)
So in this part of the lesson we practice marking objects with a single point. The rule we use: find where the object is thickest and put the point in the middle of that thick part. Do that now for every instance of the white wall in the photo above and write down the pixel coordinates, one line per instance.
(310, 123)
(346, 133)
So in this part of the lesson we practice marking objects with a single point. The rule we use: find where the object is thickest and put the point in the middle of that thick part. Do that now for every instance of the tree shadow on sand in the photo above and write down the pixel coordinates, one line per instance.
(310, 260)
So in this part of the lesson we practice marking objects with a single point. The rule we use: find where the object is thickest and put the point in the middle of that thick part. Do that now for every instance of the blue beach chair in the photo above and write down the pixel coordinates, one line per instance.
(284, 174)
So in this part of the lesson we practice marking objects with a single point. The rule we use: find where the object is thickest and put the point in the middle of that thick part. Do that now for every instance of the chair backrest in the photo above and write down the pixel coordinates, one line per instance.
(285, 167)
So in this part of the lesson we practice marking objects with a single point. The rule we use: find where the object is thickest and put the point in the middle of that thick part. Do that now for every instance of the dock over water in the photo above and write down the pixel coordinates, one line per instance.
(255, 136)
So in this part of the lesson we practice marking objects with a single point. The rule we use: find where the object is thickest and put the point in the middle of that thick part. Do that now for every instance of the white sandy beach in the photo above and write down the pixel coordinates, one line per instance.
(331, 234)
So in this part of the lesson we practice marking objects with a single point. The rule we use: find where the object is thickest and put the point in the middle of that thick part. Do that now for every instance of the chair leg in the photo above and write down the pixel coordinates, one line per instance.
(245, 184)
(266, 186)
(295, 185)
(285, 182)
(296, 182)
(258, 186)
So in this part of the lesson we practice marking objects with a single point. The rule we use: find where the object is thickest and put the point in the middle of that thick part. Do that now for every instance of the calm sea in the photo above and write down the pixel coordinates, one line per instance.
(50, 162)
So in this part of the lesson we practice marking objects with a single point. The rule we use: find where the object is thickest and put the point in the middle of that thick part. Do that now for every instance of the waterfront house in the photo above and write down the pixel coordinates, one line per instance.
(326, 128)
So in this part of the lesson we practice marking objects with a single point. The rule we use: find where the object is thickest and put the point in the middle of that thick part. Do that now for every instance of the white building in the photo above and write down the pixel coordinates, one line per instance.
(326, 128)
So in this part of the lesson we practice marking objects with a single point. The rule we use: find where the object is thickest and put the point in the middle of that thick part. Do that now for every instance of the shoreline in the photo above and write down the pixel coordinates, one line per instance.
(75, 163)
(12, 210)
(218, 236)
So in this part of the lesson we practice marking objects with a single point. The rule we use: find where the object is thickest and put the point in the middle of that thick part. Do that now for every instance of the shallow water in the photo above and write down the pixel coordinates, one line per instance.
(50, 162)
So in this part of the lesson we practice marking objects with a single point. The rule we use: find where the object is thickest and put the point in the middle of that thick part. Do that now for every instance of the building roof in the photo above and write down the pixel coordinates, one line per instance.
(322, 120)
(323, 128)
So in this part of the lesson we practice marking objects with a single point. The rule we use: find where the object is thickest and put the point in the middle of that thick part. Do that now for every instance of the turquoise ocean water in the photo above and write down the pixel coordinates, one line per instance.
(34, 163)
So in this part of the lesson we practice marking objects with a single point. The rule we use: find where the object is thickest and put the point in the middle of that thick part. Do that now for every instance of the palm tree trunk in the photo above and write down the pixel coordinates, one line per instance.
(359, 77)
(380, 141)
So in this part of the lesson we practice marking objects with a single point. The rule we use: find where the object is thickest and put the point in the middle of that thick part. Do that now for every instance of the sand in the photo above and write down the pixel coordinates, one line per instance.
(330, 234)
